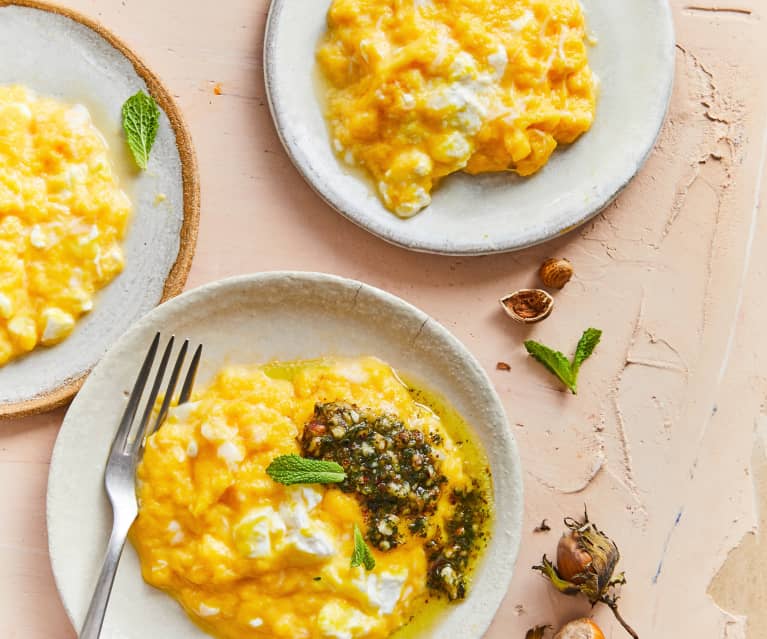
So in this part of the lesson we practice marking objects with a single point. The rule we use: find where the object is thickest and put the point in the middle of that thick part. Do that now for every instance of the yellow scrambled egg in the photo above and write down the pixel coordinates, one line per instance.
(62, 217)
(423, 88)
(249, 558)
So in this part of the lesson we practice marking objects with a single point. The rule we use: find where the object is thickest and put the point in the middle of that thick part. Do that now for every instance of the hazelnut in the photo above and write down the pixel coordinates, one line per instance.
(556, 272)
(572, 560)
(527, 305)
(580, 629)
(586, 561)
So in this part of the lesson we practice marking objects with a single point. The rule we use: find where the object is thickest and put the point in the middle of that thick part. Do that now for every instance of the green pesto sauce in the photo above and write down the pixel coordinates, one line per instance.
(427, 613)
(478, 468)
(392, 470)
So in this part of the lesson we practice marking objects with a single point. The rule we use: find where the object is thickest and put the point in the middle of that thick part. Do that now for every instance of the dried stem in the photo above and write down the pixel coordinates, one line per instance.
(613, 605)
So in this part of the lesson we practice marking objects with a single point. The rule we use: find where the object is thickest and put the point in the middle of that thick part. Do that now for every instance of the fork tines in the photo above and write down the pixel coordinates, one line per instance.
(122, 441)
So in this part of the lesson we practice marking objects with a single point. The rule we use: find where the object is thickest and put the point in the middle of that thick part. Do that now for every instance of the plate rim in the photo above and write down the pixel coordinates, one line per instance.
(515, 480)
(477, 248)
(174, 283)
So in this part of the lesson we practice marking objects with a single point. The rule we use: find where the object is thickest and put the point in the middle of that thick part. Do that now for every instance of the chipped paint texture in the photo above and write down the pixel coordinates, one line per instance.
(740, 586)
(660, 440)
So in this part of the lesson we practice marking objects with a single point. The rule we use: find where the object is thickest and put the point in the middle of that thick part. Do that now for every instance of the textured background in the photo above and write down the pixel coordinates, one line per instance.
(666, 442)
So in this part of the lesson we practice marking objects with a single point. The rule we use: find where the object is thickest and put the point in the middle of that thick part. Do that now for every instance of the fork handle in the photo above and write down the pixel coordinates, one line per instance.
(94, 619)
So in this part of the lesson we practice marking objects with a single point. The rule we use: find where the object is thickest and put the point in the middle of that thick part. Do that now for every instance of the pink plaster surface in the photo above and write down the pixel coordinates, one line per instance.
(660, 441)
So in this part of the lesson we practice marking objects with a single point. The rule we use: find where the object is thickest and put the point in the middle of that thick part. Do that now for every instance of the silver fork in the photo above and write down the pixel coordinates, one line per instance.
(120, 473)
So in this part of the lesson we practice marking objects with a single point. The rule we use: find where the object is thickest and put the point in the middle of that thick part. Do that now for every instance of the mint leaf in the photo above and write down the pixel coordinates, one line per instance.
(141, 117)
(585, 348)
(361, 555)
(555, 361)
(292, 469)
(559, 365)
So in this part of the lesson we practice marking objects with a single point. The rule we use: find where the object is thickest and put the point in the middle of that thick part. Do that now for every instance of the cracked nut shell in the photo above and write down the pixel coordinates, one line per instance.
(528, 305)
(556, 272)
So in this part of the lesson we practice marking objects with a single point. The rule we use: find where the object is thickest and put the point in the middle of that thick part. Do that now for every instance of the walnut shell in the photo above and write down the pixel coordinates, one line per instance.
(556, 272)
(528, 305)
(580, 629)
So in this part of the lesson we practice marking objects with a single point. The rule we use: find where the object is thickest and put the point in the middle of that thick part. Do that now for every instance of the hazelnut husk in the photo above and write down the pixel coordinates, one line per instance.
(556, 272)
(537, 633)
(528, 305)
(580, 629)
(586, 561)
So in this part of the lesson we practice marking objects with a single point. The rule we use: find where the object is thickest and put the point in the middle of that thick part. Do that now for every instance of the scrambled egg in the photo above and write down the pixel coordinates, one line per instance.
(62, 217)
(250, 558)
(420, 89)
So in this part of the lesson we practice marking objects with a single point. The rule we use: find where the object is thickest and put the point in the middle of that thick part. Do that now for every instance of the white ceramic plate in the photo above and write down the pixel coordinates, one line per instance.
(58, 53)
(492, 213)
(249, 320)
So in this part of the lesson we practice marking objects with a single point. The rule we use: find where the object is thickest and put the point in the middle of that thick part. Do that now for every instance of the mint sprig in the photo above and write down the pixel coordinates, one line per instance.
(559, 365)
(361, 555)
(585, 348)
(293, 469)
(141, 117)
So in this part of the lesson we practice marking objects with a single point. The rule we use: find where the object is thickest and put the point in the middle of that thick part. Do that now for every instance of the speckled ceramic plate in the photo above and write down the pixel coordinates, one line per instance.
(58, 53)
(499, 212)
(250, 320)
